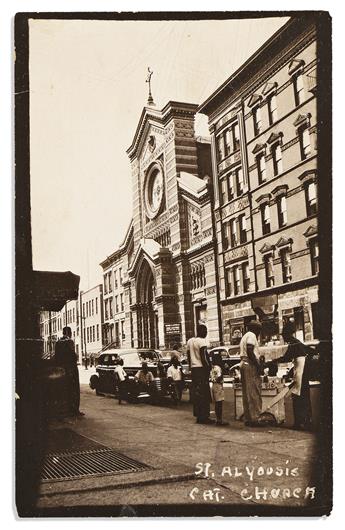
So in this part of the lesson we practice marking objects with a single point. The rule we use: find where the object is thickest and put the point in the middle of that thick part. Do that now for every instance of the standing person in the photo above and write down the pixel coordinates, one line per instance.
(297, 353)
(217, 387)
(200, 368)
(175, 377)
(175, 353)
(66, 357)
(121, 381)
(250, 374)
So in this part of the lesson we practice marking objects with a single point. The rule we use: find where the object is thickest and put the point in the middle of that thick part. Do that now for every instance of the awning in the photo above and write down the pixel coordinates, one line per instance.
(51, 290)
(265, 304)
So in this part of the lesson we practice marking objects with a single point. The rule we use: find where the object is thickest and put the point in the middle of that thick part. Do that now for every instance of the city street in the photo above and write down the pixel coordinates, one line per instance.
(187, 463)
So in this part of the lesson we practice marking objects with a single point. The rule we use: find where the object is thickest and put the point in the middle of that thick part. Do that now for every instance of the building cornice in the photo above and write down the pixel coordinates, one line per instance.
(274, 53)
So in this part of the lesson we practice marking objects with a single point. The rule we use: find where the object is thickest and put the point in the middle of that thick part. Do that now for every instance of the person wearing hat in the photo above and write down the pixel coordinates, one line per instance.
(66, 357)
(298, 354)
(250, 374)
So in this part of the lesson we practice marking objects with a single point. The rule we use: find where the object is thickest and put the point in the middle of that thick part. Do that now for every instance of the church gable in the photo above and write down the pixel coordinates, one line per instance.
(153, 141)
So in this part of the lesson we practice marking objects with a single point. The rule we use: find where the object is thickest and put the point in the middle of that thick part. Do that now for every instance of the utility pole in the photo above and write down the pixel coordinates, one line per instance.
(82, 331)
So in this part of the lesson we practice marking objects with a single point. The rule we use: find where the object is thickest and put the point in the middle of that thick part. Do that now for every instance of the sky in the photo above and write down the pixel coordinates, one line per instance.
(87, 92)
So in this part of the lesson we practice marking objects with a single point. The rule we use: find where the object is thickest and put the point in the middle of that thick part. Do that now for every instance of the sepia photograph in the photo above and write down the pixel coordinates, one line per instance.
(173, 264)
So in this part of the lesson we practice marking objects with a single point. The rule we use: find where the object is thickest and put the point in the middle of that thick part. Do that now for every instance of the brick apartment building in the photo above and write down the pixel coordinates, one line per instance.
(91, 320)
(264, 144)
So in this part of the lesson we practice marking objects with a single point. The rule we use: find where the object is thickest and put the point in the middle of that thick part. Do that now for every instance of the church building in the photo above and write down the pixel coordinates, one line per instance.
(167, 260)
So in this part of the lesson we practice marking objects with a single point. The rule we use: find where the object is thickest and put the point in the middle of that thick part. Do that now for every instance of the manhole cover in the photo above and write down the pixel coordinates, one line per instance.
(81, 457)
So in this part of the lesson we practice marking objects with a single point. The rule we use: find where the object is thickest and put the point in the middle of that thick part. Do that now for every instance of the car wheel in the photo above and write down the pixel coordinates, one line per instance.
(94, 381)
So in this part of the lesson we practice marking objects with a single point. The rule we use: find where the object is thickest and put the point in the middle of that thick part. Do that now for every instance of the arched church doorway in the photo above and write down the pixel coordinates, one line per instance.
(147, 317)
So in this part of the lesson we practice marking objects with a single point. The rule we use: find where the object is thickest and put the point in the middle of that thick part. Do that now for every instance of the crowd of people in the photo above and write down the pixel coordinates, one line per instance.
(251, 367)
(204, 367)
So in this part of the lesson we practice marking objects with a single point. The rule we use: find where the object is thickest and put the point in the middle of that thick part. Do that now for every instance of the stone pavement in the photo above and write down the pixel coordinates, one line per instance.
(191, 464)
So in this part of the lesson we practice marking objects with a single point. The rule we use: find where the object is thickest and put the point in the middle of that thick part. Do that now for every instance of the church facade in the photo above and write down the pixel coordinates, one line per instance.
(168, 268)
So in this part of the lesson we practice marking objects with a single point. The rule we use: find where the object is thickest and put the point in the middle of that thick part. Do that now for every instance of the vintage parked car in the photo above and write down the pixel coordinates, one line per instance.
(230, 356)
(105, 381)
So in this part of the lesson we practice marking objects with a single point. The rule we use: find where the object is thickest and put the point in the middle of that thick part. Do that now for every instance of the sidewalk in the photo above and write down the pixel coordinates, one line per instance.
(244, 466)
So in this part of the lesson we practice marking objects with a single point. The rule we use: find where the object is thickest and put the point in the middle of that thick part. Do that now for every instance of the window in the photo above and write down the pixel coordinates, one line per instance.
(286, 265)
(243, 228)
(226, 236)
(246, 277)
(257, 120)
(83, 309)
(310, 198)
(299, 89)
(228, 281)
(233, 233)
(277, 159)
(115, 279)
(116, 304)
(261, 166)
(105, 284)
(282, 211)
(231, 187)
(120, 275)
(110, 282)
(96, 303)
(220, 147)
(223, 192)
(304, 141)
(93, 333)
(236, 136)
(266, 219)
(272, 109)
(314, 256)
(97, 329)
(237, 281)
(73, 314)
(111, 307)
(106, 309)
(227, 142)
(239, 181)
(122, 305)
(269, 271)
(92, 306)
(88, 336)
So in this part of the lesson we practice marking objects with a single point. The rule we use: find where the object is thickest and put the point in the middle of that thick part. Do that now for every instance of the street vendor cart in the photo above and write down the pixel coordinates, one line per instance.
(270, 388)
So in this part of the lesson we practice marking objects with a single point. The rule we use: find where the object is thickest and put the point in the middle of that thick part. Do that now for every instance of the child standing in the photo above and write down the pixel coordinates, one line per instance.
(217, 387)
(121, 380)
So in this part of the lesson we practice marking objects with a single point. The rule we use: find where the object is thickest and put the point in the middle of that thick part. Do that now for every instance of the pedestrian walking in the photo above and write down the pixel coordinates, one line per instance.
(297, 353)
(121, 377)
(250, 374)
(175, 377)
(66, 357)
(200, 369)
(218, 388)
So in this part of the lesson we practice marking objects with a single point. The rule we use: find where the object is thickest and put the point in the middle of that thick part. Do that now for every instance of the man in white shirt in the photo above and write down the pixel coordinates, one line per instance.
(250, 374)
(174, 375)
(200, 369)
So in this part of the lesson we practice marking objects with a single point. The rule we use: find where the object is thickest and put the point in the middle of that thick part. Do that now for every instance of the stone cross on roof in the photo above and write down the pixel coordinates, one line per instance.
(148, 80)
